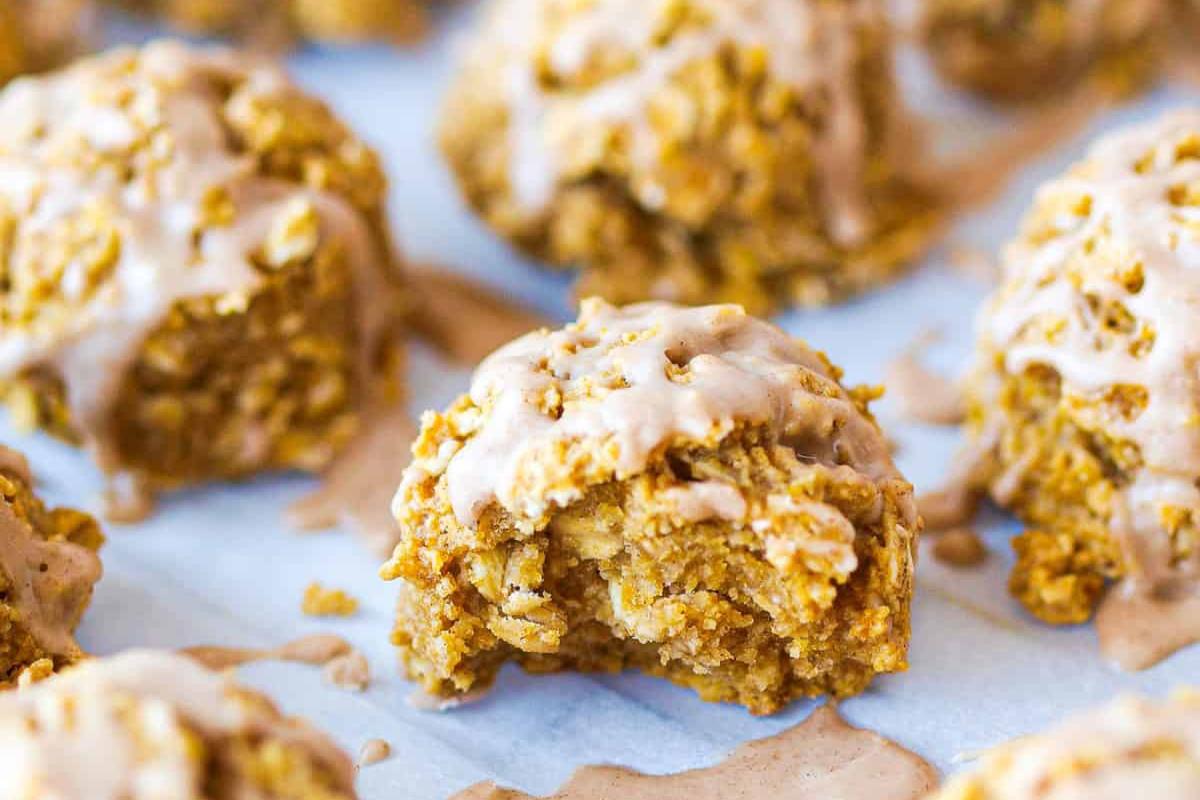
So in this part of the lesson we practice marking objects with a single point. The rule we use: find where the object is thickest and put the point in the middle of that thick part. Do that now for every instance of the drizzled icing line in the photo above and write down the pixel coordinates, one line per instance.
(813, 47)
(633, 380)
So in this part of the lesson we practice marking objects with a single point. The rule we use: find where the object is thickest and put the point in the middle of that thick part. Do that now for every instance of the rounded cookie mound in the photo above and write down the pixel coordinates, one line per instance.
(148, 725)
(197, 282)
(690, 492)
(1130, 748)
(1021, 50)
(48, 566)
(750, 151)
(1085, 397)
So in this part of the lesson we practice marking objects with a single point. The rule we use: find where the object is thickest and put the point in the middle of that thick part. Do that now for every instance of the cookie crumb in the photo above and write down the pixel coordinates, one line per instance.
(960, 547)
(322, 602)
(373, 752)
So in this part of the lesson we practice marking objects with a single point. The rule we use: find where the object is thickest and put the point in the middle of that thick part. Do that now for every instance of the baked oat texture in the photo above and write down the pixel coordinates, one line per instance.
(48, 566)
(747, 151)
(1131, 748)
(197, 281)
(689, 492)
(36, 35)
(1026, 50)
(274, 21)
(146, 725)
(1085, 394)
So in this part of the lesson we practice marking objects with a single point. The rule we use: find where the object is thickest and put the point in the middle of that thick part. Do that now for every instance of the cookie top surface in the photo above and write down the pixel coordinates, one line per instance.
(620, 386)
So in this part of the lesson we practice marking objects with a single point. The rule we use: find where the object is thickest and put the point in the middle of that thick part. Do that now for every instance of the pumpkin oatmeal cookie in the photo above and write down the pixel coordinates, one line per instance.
(271, 20)
(197, 281)
(1085, 401)
(747, 151)
(1131, 748)
(48, 566)
(36, 35)
(689, 492)
(147, 725)
(1022, 50)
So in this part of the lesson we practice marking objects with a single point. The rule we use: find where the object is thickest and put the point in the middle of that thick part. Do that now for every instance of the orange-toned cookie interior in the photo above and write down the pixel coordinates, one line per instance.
(1085, 403)
(1131, 748)
(1024, 50)
(277, 21)
(149, 724)
(36, 35)
(689, 492)
(748, 151)
(197, 279)
(48, 566)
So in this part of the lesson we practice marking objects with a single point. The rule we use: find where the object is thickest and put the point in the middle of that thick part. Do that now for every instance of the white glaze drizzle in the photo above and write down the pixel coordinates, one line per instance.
(812, 47)
(613, 367)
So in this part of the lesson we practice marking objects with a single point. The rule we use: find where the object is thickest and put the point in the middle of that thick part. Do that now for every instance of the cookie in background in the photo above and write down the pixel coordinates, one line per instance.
(148, 724)
(37, 35)
(199, 283)
(1131, 747)
(1027, 50)
(281, 22)
(747, 151)
(1083, 404)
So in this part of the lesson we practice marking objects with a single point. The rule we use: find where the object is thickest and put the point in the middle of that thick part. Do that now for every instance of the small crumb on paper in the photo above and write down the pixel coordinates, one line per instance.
(373, 752)
(960, 547)
(320, 601)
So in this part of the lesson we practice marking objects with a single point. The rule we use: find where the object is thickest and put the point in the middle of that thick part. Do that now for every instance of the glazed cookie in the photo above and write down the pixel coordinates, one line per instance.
(1085, 403)
(751, 151)
(689, 492)
(321, 20)
(1131, 748)
(36, 35)
(1021, 50)
(148, 725)
(197, 278)
(48, 566)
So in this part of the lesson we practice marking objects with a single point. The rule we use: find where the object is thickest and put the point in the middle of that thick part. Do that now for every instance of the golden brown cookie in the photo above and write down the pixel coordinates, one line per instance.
(198, 282)
(748, 151)
(689, 492)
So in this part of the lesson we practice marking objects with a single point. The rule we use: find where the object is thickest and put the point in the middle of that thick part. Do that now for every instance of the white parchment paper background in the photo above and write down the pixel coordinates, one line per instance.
(217, 566)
